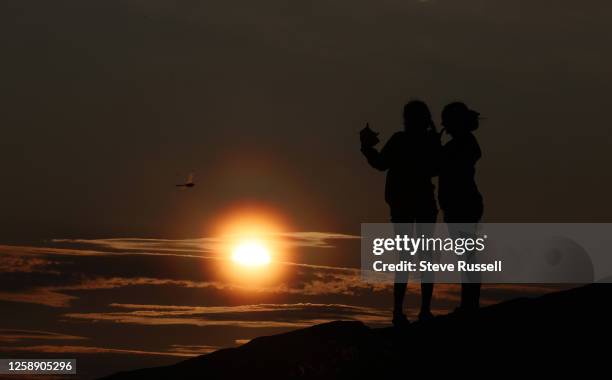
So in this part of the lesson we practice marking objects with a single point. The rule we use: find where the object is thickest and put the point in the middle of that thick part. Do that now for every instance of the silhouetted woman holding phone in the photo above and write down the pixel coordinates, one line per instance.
(410, 158)
(458, 194)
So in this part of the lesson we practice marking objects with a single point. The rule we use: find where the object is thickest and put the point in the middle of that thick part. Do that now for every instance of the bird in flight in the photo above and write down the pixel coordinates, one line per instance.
(189, 182)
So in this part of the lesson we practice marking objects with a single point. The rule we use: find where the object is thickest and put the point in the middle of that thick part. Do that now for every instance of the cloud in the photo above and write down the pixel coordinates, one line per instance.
(246, 316)
(316, 282)
(19, 336)
(15, 335)
(316, 239)
(199, 248)
(50, 349)
(25, 264)
(41, 296)
(56, 295)
(209, 244)
(42, 251)
(308, 279)
(192, 350)
(33, 278)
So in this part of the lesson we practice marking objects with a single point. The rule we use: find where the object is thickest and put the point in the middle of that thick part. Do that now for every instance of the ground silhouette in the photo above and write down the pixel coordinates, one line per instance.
(551, 334)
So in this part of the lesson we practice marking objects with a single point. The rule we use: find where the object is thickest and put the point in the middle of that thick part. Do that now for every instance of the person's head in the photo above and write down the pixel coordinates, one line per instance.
(417, 116)
(458, 118)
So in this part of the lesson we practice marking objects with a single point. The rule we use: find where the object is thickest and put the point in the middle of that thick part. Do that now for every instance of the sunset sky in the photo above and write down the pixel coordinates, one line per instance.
(107, 104)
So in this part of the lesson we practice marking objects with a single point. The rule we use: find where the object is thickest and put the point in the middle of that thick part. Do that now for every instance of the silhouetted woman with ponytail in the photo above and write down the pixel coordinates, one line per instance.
(410, 158)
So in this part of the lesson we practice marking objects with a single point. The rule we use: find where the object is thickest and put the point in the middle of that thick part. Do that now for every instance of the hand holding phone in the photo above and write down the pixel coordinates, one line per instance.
(368, 137)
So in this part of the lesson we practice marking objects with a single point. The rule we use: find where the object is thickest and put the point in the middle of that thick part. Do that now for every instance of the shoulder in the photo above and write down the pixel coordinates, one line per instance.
(472, 146)
(397, 138)
(473, 142)
(400, 135)
(471, 138)
(465, 145)
(466, 141)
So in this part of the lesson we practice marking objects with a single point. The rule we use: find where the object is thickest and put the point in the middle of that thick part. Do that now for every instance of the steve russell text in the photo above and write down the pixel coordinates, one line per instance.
(411, 245)
(426, 266)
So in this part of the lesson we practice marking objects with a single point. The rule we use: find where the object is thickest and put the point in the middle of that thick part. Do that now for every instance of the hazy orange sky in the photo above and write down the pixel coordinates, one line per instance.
(107, 104)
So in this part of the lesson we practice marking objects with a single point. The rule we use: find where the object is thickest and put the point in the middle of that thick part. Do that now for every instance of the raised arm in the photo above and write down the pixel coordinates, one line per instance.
(379, 160)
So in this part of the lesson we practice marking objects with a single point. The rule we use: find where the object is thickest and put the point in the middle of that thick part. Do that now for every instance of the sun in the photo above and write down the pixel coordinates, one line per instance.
(251, 253)
(252, 245)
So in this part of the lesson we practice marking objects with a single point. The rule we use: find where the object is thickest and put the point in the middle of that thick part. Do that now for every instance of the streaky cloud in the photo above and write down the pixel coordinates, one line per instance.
(18, 335)
(312, 239)
(60, 349)
(245, 316)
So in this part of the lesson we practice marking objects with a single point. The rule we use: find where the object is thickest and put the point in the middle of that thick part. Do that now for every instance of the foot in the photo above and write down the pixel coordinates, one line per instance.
(425, 315)
(400, 320)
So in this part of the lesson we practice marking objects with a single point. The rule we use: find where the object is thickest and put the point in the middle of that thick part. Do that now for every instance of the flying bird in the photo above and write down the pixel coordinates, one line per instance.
(188, 183)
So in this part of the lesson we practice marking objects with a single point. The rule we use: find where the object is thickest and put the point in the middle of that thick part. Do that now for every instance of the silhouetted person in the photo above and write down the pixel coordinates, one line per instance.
(458, 194)
(410, 158)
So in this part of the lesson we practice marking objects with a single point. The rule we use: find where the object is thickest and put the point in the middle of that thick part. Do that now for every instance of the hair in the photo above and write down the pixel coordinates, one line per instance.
(417, 116)
(457, 116)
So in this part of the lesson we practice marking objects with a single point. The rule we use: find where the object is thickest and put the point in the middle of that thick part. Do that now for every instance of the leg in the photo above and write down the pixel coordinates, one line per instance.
(426, 227)
(399, 292)
(474, 279)
(399, 286)
(426, 295)
(470, 286)
(401, 278)
(470, 295)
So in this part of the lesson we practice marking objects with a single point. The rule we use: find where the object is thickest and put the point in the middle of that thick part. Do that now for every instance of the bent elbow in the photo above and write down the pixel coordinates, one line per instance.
(377, 164)
(380, 167)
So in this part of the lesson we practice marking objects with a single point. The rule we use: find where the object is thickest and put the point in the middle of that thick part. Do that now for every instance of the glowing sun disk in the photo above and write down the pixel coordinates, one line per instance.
(251, 253)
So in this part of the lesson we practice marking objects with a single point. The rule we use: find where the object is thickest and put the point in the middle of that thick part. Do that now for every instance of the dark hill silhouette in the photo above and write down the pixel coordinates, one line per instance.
(554, 333)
